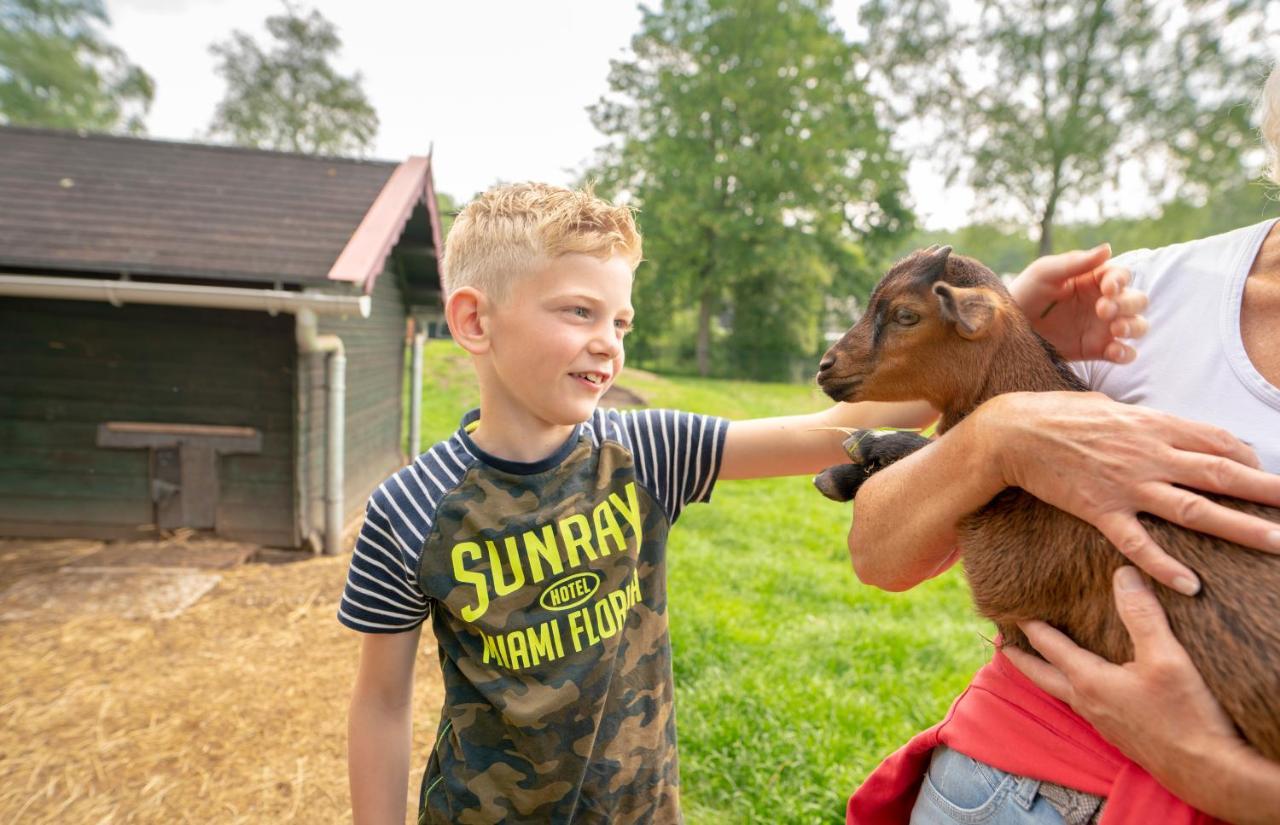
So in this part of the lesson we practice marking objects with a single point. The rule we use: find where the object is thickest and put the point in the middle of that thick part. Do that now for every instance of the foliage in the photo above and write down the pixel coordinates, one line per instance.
(1007, 249)
(288, 96)
(449, 207)
(792, 680)
(58, 70)
(744, 133)
(1041, 102)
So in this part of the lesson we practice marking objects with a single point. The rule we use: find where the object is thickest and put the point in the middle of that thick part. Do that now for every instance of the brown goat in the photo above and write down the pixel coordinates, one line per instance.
(943, 328)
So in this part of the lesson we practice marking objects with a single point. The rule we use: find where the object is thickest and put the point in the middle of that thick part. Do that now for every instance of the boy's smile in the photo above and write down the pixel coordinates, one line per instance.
(555, 347)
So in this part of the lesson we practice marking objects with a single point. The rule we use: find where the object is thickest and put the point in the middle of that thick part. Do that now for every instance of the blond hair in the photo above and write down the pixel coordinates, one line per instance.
(514, 229)
(1269, 116)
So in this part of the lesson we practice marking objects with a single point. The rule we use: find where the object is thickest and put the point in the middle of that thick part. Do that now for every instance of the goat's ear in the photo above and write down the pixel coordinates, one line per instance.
(971, 310)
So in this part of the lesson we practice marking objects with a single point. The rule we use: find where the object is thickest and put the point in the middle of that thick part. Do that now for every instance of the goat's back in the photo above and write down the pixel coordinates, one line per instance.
(1028, 560)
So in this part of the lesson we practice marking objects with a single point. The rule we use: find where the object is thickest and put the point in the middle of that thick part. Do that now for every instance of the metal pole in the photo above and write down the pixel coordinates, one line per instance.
(334, 476)
(415, 397)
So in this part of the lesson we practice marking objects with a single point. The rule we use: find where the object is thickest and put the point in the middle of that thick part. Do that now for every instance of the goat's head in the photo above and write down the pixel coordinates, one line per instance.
(927, 333)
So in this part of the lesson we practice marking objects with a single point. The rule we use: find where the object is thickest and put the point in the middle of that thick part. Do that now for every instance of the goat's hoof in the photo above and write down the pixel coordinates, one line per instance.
(877, 449)
(841, 482)
(853, 445)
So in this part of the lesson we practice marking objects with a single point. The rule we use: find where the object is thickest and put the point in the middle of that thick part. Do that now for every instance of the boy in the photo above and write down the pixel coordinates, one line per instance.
(534, 537)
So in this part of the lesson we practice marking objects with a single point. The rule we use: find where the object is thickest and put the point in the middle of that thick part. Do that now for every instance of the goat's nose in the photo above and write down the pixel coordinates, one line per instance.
(828, 361)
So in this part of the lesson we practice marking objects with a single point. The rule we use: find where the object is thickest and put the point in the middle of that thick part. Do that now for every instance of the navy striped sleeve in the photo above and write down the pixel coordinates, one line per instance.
(677, 454)
(382, 594)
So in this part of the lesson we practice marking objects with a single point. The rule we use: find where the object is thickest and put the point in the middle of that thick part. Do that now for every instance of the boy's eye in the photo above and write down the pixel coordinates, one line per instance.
(580, 312)
(624, 326)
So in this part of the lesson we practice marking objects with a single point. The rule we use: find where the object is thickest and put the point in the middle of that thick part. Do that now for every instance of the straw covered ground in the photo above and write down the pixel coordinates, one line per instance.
(233, 711)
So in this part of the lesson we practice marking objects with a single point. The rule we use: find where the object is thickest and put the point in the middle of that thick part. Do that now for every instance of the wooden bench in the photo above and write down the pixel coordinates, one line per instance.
(183, 465)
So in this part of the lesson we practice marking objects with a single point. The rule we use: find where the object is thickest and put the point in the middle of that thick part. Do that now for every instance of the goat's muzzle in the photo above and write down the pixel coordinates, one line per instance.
(839, 387)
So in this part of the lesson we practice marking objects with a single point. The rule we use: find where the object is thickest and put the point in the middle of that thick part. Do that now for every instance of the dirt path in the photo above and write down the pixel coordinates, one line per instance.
(234, 711)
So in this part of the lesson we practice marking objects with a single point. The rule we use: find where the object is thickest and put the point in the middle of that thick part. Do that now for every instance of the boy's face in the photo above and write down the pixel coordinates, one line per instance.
(556, 340)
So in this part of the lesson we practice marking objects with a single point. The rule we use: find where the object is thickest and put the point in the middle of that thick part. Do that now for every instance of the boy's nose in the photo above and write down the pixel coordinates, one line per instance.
(608, 343)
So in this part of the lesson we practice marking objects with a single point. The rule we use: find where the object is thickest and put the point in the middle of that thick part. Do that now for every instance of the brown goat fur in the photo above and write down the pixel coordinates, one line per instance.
(943, 328)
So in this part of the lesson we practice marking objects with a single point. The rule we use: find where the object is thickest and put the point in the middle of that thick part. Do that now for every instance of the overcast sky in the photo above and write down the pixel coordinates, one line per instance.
(500, 87)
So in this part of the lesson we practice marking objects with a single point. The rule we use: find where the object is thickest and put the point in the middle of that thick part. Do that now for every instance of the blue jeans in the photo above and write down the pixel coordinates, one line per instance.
(959, 789)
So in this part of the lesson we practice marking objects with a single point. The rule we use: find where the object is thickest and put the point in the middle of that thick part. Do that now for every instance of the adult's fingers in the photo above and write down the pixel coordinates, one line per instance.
(1113, 279)
(1132, 326)
(1118, 353)
(1131, 539)
(1197, 437)
(1142, 616)
(1226, 476)
(1131, 302)
(1196, 512)
(1068, 658)
(1066, 265)
(1128, 303)
(1051, 680)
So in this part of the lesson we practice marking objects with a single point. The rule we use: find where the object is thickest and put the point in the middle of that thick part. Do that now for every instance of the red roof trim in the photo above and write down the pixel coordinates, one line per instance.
(367, 250)
(433, 210)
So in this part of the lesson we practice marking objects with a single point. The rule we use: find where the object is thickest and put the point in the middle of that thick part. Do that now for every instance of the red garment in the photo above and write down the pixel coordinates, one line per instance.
(1006, 721)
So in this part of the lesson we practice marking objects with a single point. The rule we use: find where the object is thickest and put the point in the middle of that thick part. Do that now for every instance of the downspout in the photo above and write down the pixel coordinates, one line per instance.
(309, 341)
(415, 397)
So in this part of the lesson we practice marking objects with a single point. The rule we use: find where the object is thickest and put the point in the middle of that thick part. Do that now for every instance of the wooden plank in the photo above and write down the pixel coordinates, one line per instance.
(199, 430)
(26, 528)
(137, 402)
(82, 436)
(52, 484)
(85, 511)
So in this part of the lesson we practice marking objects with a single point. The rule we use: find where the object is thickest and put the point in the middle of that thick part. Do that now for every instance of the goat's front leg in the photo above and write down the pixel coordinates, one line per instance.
(870, 451)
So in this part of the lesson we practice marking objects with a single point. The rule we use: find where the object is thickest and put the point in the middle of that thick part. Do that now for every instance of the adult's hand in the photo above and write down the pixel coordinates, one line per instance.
(1105, 462)
(1157, 709)
(1082, 305)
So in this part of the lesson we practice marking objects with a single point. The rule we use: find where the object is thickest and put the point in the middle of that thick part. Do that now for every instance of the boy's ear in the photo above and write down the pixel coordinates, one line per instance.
(466, 312)
(971, 310)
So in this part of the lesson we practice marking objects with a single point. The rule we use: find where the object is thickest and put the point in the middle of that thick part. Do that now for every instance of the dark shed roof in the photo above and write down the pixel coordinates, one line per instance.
(103, 204)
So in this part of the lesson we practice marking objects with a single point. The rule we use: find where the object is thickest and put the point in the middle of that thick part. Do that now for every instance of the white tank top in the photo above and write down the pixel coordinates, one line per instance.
(1192, 362)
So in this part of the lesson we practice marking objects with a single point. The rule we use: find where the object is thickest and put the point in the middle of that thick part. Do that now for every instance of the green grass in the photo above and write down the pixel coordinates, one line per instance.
(793, 680)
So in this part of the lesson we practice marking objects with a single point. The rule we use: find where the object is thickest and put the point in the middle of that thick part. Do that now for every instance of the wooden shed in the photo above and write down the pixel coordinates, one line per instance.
(204, 336)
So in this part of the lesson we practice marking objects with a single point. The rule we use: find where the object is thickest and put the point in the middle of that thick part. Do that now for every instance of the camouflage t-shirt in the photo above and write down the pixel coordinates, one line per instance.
(546, 586)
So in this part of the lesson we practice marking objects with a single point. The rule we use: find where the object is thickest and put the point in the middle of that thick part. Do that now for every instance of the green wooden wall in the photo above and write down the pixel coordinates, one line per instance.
(67, 366)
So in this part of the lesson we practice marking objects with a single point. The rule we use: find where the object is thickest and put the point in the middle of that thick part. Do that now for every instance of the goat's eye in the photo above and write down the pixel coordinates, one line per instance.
(905, 317)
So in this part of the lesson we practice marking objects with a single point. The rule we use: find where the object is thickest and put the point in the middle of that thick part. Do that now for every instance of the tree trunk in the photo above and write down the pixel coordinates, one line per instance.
(704, 334)
(1050, 209)
(1046, 235)
(1046, 219)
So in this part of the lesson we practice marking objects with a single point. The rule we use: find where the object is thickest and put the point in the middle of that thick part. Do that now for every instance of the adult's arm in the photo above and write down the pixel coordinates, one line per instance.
(1157, 710)
(379, 728)
(1100, 460)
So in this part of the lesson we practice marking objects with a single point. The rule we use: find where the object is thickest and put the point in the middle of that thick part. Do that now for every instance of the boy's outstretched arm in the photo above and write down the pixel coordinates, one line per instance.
(794, 445)
(379, 728)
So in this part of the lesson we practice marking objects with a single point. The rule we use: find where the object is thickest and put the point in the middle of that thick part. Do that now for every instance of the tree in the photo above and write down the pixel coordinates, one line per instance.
(289, 97)
(743, 132)
(1041, 102)
(57, 70)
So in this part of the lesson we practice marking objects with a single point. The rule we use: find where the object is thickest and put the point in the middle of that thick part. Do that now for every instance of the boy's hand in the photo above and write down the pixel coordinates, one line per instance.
(1082, 305)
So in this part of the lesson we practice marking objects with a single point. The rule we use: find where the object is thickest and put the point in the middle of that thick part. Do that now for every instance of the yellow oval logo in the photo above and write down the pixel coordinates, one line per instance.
(570, 591)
